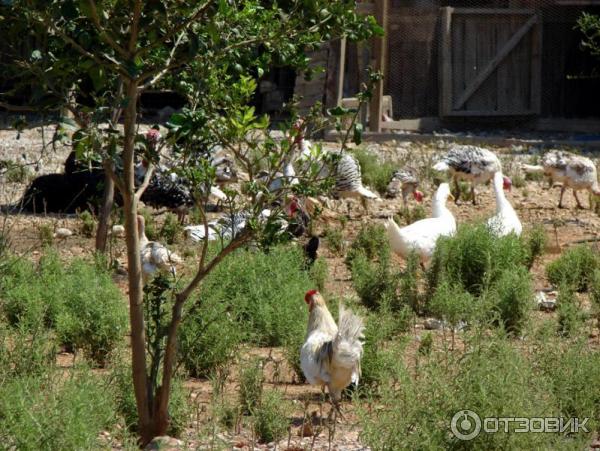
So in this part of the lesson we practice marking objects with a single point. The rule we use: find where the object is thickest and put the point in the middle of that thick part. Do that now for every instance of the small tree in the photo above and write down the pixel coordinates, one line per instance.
(212, 52)
(589, 25)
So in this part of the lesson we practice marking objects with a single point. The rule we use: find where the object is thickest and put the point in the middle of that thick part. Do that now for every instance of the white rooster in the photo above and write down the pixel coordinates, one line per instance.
(155, 257)
(573, 171)
(474, 164)
(421, 236)
(505, 220)
(331, 355)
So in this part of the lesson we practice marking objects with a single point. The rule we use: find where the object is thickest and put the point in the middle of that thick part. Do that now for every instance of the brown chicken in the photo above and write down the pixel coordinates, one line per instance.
(331, 355)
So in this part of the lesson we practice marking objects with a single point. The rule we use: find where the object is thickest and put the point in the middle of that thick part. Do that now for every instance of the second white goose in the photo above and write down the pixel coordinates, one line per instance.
(421, 236)
(505, 220)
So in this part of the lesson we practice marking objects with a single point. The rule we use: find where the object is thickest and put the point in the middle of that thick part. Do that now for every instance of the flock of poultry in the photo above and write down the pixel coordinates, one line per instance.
(331, 354)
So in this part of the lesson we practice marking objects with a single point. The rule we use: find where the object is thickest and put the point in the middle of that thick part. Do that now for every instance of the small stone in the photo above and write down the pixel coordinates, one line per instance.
(545, 303)
(118, 230)
(62, 232)
(164, 443)
(432, 324)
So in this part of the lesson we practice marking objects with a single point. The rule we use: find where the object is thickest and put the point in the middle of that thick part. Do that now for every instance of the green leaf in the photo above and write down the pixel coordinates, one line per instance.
(357, 135)
(338, 111)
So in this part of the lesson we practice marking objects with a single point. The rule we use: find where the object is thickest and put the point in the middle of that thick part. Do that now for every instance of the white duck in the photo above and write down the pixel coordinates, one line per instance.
(573, 171)
(505, 220)
(471, 163)
(155, 256)
(421, 236)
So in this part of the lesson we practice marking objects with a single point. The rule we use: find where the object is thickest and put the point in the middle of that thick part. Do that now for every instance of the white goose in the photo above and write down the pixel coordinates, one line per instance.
(155, 256)
(421, 236)
(505, 220)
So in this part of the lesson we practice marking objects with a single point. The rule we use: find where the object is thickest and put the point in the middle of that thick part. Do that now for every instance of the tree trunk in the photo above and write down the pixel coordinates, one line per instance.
(134, 265)
(105, 210)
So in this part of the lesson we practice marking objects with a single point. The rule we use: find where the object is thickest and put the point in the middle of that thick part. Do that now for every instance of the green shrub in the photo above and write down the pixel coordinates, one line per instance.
(574, 267)
(88, 224)
(14, 172)
(335, 241)
(250, 285)
(375, 282)
(122, 387)
(414, 410)
(34, 293)
(408, 215)
(171, 230)
(452, 304)
(426, 344)
(291, 351)
(595, 292)
(80, 302)
(536, 241)
(375, 173)
(514, 298)
(380, 358)
(271, 418)
(319, 273)
(570, 370)
(208, 339)
(371, 241)
(54, 412)
(25, 351)
(570, 317)
(251, 386)
(94, 318)
(474, 258)
(46, 235)
(409, 285)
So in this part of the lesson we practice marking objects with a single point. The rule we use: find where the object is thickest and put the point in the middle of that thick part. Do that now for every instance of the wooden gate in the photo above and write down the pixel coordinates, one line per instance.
(490, 62)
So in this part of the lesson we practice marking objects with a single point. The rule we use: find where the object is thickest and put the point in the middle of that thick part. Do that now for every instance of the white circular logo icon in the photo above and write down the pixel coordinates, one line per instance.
(465, 425)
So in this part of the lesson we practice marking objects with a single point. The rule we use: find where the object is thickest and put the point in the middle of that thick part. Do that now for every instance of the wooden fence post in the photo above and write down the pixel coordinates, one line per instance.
(380, 56)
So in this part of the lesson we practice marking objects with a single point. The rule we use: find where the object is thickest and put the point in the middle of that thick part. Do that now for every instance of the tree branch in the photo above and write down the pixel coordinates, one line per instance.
(178, 29)
(169, 64)
(109, 168)
(18, 108)
(147, 177)
(104, 35)
(135, 25)
(110, 62)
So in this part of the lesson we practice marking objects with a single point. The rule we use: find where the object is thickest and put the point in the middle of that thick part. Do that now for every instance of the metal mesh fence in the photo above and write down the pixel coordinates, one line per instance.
(485, 58)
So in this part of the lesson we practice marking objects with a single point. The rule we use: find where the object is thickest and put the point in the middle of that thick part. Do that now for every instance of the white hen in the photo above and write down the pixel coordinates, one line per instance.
(155, 257)
(505, 220)
(421, 236)
(573, 171)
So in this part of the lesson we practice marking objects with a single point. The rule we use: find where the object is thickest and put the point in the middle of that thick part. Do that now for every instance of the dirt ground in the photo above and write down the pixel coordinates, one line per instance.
(534, 202)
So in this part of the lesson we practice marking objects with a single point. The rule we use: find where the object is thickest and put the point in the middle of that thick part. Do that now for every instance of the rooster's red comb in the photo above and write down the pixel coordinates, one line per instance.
(308, 295)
